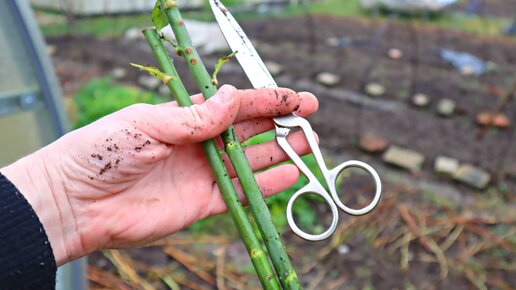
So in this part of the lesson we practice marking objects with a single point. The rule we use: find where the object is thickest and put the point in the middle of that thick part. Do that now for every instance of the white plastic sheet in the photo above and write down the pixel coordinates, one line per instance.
(206, 36)
(408, 5)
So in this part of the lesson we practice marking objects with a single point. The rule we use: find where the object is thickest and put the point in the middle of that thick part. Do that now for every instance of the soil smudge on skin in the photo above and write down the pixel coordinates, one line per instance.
(97, 156)
(105, 168)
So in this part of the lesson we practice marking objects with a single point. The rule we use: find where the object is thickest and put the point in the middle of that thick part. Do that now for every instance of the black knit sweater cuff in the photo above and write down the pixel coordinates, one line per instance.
(26, 257)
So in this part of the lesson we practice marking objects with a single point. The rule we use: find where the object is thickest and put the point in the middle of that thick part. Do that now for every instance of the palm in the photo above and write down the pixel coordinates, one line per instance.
(146, 192)
(174, 193)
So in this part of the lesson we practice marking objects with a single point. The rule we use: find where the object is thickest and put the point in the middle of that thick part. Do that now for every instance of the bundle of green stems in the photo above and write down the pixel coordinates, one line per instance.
(283, 270)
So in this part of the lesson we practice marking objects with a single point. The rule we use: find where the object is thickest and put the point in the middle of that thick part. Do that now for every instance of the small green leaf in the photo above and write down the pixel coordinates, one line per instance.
(155, 72)
(219, 65)
(159, 19)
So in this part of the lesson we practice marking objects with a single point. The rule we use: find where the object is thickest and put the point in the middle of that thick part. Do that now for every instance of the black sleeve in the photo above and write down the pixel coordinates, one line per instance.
(26, 258)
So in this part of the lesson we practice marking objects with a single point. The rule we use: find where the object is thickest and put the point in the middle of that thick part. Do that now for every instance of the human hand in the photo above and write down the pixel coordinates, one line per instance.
(140, 174)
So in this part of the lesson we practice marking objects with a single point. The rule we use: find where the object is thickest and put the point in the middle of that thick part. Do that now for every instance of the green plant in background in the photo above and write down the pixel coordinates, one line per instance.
(303, 211)
(306, 217)
(101, 97)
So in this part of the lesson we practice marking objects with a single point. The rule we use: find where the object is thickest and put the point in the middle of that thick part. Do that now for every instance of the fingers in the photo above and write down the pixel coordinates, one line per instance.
(266, 102)
(204, 120)
(196, 99)
(271, 181)
(181, 125)
(248, 128)
(267, 154)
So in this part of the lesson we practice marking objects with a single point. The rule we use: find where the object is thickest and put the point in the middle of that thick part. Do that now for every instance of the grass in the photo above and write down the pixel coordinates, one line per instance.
(116, 25)
(101, 97)
(101, 26)
(451, 20)
(474, 24)
(305, 215)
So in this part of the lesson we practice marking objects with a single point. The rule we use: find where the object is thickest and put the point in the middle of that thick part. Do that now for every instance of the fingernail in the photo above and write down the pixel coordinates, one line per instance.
(225, 93)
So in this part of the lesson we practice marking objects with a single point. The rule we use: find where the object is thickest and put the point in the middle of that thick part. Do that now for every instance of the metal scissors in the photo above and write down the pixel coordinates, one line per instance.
(260, 77)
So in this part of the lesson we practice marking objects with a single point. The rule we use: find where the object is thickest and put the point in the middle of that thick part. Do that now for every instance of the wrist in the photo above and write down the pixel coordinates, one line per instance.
(42, 186)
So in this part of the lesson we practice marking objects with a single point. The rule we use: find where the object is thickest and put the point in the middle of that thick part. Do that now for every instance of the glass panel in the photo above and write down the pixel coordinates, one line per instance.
(16, 70)
(25, 125)
(23, 133)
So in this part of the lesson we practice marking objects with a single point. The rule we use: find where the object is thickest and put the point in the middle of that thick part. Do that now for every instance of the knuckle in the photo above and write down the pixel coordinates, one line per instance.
(198, 118)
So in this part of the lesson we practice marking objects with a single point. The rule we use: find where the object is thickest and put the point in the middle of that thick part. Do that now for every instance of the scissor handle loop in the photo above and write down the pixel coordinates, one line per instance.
(332, 184)
(312, 188)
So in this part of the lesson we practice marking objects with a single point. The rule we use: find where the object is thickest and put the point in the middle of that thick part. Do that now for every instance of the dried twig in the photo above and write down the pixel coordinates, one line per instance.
(221, 260)
(188, 283)
(413, 226)
(173, 241)
(337, 284)
(106, 279)
(452, 237)
(315, 283)
(126, 270)
(191, 264)
(405, 254)
(490, 236)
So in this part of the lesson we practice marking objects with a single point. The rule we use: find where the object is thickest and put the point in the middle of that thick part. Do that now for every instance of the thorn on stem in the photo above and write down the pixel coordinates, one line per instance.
(170, 4)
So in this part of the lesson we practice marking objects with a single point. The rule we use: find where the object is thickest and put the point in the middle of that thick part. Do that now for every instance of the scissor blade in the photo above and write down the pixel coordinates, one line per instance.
(247, 56)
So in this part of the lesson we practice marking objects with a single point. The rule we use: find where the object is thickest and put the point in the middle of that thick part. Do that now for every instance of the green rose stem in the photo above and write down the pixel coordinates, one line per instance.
(256, 253)
(287, 276)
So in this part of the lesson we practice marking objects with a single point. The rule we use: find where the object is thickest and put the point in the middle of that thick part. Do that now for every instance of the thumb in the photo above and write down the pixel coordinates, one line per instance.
(182, 125)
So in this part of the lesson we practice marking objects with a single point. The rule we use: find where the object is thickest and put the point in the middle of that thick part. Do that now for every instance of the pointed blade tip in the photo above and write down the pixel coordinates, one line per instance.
(216, 4)
(248, 57)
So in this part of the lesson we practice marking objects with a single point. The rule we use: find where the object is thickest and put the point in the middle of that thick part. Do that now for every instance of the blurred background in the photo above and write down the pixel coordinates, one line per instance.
(422, 90)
